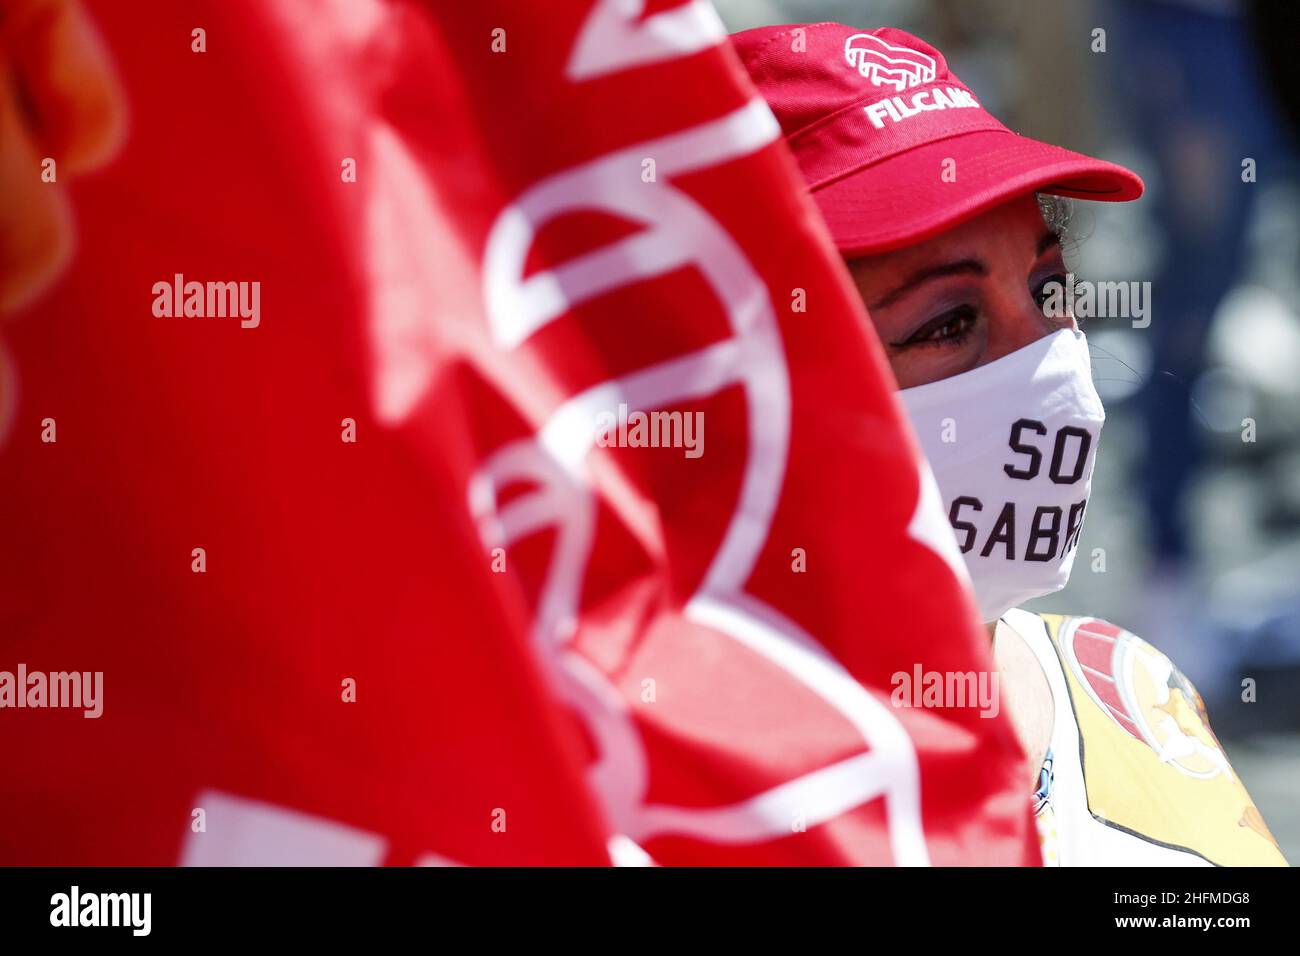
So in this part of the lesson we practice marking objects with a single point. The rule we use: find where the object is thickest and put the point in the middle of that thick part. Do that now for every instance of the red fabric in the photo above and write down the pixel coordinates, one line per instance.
(690, 689)
(894, 147)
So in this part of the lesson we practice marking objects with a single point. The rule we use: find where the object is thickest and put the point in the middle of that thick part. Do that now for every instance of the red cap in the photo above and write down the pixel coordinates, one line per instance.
(875, 120)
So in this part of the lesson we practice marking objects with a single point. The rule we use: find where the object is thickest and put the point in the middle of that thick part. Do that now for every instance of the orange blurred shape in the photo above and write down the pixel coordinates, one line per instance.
(59, 100)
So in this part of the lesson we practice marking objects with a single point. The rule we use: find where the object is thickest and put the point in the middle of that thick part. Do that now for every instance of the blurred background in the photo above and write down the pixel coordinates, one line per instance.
(1192, 539)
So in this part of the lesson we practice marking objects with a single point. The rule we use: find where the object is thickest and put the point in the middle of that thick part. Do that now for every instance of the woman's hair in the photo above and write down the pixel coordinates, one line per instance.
(1059, 214)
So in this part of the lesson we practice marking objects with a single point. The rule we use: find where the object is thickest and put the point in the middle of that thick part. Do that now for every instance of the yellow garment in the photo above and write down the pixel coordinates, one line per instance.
(1136, 776)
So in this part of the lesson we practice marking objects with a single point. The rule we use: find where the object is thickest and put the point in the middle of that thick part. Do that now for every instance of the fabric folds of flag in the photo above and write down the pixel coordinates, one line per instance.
(632, 542)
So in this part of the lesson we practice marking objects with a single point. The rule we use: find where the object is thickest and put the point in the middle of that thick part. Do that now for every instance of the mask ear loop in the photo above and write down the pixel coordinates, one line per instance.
(1139, 382)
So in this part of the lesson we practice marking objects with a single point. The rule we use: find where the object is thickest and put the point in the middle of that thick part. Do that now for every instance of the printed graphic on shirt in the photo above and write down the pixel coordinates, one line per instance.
(1152, 765)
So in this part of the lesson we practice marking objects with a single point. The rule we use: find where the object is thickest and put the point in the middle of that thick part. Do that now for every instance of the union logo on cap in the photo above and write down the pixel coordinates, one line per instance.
(887, 65)
(918, 114)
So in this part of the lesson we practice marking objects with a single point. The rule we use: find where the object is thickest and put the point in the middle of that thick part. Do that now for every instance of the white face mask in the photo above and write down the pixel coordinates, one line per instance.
(1012, 445)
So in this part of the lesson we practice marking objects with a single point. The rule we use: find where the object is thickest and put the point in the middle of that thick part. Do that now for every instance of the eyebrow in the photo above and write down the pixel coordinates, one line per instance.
(968, 266)
(929, 274)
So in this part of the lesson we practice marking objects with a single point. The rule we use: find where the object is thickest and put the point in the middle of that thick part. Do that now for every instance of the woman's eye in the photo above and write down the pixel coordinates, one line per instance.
(948, 329)
(1055, 285)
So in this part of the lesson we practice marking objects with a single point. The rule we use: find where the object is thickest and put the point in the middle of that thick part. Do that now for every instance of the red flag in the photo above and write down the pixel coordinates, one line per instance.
(304, 658)
(561, 256)
(727, 625)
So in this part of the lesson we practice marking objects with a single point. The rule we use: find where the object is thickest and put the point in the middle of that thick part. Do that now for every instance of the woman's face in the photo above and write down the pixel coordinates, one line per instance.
(966, 297)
